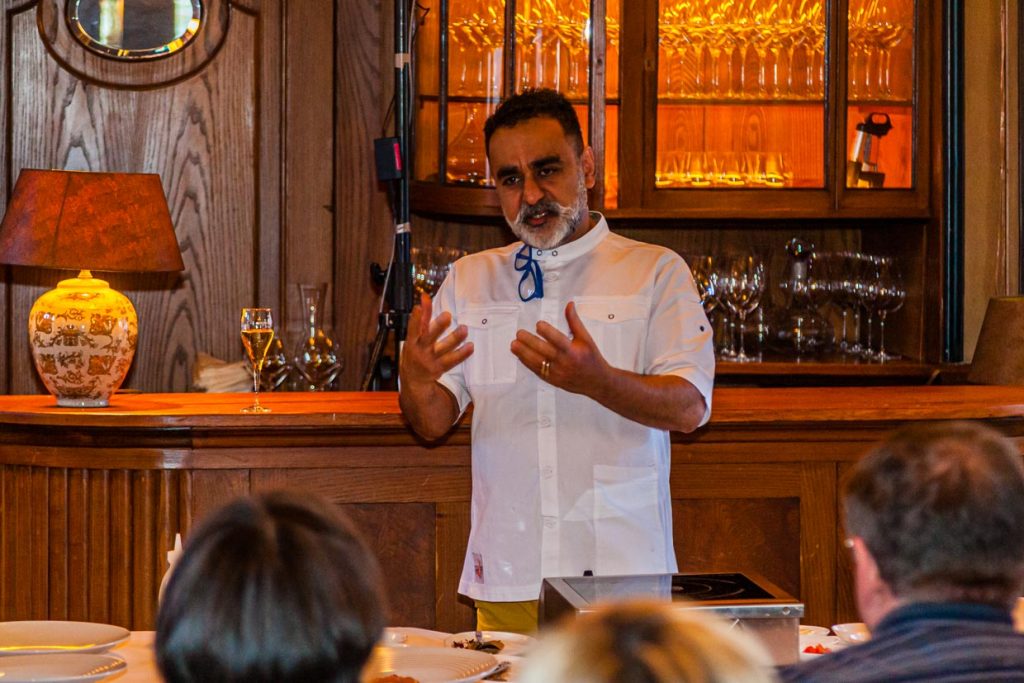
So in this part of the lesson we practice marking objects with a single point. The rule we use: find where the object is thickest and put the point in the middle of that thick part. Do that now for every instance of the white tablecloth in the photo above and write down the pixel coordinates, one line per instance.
(138, 652)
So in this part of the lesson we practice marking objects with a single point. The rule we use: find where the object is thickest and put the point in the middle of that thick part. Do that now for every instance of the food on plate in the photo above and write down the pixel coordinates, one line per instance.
(490, 646)
(394, 678)
(817, 649)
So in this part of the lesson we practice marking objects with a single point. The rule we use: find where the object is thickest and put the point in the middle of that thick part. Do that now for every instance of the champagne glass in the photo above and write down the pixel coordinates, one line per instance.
(257, 333)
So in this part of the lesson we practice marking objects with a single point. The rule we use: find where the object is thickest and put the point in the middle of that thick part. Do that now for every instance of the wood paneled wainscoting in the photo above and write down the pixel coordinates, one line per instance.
(92, 499)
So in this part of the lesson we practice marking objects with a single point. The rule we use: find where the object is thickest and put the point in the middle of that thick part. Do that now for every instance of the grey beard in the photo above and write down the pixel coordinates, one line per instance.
(569, 219)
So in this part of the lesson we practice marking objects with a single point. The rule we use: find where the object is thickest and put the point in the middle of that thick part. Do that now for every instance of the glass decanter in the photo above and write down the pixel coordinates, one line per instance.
(798, 328)
(315, 359)
(467, 158)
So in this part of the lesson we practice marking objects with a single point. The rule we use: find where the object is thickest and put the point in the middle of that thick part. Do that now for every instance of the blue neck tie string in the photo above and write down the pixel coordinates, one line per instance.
(531, 284)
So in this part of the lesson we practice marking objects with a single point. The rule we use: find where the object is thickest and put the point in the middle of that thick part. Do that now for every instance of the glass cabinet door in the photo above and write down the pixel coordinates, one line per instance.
(741, 94)
(880, 113)
(459, 81)
(464, 68)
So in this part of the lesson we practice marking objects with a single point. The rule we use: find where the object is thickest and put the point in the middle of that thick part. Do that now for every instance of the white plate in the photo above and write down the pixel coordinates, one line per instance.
(808, 630)
(833, 643)
(429, 664)
(56, 668)
(39, 637)
(515, 643)
(409, 636)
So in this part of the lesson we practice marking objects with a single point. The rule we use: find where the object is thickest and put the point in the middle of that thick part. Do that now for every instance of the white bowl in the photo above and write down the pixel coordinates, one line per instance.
(855, 632)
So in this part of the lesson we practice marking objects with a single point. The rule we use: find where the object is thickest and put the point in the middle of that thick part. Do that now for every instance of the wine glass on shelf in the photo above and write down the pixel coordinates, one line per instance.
(257, 333)
(891, 295)
(704, 276)
(741, 284)
(845, 295)
(430, 266)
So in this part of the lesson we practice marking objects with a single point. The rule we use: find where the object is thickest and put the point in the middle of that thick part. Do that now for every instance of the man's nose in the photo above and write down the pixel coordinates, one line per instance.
(532, 192)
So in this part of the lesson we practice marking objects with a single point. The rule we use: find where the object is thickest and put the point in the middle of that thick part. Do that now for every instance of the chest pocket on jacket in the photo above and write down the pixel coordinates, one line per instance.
(618, 325)
(491, 330)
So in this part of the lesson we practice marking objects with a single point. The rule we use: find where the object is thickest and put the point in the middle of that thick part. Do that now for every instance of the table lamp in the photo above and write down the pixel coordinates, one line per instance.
(83, 333)
(999, 354)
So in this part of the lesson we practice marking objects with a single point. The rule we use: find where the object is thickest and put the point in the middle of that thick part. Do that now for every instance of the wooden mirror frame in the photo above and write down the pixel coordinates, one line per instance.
(89, 66)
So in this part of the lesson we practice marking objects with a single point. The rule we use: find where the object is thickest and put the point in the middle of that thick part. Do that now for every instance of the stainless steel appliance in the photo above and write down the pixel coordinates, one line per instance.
(746, 600)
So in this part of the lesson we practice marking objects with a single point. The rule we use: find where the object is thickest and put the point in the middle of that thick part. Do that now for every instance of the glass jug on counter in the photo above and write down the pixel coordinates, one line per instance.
(315, 359)
(798, 328)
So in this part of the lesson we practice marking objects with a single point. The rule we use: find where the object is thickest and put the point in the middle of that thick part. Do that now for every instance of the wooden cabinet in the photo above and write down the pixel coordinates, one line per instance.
(727, 109)
(738, 124)
(92, 499)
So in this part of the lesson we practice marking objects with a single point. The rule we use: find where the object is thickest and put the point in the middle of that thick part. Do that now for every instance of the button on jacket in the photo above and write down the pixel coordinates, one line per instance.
(561, 484)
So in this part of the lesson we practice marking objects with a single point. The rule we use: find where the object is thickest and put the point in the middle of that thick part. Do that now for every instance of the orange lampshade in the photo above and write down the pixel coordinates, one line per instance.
(83, 220)
(83, 334)
(999, 354)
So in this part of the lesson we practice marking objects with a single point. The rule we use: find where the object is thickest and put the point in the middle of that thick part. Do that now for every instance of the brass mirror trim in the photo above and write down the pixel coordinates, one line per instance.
(78, 31)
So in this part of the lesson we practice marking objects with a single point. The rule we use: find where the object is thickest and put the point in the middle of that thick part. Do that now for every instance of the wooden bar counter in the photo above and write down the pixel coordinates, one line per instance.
(92, 498)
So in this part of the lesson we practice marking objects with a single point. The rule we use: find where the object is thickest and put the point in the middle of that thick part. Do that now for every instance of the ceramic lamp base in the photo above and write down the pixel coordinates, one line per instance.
(83, 336)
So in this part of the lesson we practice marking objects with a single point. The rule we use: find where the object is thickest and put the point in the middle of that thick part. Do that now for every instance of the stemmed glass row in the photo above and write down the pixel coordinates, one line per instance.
(724, 169)
(552, 43)
(857, 283)
(742, 48)
(852, 282)
(875, 29)
(735, 283)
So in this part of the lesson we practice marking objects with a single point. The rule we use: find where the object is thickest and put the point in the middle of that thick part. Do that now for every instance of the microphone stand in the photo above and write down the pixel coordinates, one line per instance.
(399, 288)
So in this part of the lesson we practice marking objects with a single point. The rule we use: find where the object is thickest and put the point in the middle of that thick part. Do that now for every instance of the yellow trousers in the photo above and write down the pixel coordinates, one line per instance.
(516, 617)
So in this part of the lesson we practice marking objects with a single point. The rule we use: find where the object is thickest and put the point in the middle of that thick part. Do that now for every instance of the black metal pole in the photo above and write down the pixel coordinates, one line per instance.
(403, 293)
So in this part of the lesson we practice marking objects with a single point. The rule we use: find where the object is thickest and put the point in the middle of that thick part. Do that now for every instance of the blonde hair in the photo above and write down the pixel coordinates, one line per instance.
(647, 642)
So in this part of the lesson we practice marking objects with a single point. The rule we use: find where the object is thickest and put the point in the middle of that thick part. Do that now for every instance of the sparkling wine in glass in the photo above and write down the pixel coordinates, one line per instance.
(257, 334)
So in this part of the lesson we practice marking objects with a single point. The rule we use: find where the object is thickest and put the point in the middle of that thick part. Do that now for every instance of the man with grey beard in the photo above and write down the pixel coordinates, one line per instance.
(579, 350)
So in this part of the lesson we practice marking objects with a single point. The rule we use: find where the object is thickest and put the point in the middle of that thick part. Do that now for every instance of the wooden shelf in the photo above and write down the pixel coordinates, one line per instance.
(837, 370)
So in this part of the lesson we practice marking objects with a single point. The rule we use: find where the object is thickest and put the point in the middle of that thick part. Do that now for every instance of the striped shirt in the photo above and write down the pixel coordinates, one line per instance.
(940, 642)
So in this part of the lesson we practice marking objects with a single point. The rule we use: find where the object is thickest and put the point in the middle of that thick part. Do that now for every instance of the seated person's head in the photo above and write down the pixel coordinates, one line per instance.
(646, 642)
(936, 513)
(277, 587)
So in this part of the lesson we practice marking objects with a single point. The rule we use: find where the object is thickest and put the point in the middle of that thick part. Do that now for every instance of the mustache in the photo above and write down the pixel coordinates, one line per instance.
(539, 209)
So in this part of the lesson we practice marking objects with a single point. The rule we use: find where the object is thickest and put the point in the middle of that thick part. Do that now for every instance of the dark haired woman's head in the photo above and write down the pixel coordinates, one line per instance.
(531, 104)
(277, 587)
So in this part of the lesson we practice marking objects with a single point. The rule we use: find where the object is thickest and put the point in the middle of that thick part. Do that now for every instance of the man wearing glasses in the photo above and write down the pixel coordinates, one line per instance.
(579, 350)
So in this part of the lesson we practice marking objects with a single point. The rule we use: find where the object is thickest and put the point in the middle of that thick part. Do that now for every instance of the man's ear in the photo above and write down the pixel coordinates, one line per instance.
(864, 560)
(589, 167)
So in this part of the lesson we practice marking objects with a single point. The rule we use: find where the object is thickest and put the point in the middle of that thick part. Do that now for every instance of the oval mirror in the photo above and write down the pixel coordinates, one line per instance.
(134, 29)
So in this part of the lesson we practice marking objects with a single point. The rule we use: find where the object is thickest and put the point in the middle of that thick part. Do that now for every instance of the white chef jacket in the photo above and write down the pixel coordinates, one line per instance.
(561, 484)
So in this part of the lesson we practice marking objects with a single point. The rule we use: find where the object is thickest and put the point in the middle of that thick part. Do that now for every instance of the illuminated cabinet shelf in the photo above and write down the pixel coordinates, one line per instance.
(737, 110)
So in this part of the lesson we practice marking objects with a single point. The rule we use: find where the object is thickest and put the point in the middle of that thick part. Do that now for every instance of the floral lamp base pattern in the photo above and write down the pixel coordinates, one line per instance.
(83, 336)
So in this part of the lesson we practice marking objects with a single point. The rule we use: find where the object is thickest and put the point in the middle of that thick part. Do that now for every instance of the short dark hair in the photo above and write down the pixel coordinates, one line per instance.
(275, 587)
(941, 509)
(531, 104)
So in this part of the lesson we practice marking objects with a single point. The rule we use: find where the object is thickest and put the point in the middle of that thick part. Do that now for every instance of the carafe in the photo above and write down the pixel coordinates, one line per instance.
(315, 359)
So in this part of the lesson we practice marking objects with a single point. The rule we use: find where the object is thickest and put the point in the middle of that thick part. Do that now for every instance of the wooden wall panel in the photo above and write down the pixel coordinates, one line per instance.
(455, 613)
(777, 520)
(213, 137)
(58, 505)
(308, 245)
(121, 575)
(744, 534)
(365, 78)
(402, 537)
(84, 545)
(77, 545)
